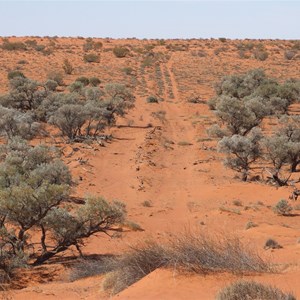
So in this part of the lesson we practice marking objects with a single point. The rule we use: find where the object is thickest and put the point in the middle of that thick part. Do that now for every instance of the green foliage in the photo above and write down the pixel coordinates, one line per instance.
(99, 110)
(24, 94)
(242, 151)
(69, 118)
(242, 101)
(76, 87)
(34, 182)
(15, 123)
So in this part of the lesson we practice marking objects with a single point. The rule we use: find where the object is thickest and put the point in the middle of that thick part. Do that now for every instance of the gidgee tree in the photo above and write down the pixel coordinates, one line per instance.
(34, 183)
(242, 151)
(242, 101)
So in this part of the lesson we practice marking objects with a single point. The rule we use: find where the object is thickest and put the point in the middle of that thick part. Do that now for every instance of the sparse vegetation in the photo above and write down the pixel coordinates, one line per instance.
(252, 290)
(256, 97)
(188, 253)
(34, 183)
(68, 67)
(152, 99)
(272, 244)
(91, 57)
(283, 208)
(120, 51)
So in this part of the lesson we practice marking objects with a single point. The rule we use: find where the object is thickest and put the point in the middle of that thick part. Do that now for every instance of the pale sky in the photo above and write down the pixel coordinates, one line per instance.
(152, 19)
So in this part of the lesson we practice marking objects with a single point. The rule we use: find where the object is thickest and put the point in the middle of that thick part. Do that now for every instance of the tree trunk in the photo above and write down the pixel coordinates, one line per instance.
(47, 255)
(294, 165)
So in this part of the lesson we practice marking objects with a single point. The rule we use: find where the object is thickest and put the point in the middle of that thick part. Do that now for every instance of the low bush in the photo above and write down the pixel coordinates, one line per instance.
(94, 81)
(91, 57)
(188, 253)
(56, 76)
(13, 46)
(289, 55)
(68, 67)
(84, 80)
(120, 51)
(283, 208)
(261, 54)
(251, 290)
(272, 244)
(152, 99)
(15, 73)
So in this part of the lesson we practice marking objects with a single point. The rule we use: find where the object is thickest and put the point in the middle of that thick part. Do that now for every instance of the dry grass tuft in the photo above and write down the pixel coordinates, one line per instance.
(251, 290)
(186, 253)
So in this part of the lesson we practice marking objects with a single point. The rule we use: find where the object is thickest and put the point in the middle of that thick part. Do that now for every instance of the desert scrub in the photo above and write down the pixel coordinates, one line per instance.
(120, 52)
(272, 244)
(195, 253)
(152, 99)
(289, 54)
(91, 57)
(67, 67)
(251, 290)
(282, 208)
(15, 73)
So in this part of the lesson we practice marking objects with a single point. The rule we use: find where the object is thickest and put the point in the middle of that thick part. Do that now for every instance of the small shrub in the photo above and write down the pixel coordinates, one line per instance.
(272, 244)
(222, 39)
(76, 86)
(94, 81)
(98, 45)
(56, 76)
(91, 57)
(40, 48)
(128, 70)
(261, 54)
(289, 55)
(152, 99)
(250, 290)
(120, 51)
(187, 253)
(283, 208)
(68, 67)
(22, 62)
(147, 203)
(250, 224)
(84, 80)
(14, 74)
(13, 46)
(51, 85)
(237, 203)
